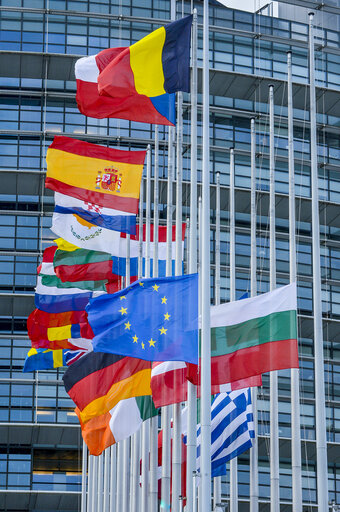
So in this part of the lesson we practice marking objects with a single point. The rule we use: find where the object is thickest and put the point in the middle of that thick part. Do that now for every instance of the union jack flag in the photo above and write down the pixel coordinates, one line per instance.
(71, 356)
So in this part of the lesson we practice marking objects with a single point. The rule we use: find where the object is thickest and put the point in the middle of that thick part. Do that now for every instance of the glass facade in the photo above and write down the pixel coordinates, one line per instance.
(38, 102)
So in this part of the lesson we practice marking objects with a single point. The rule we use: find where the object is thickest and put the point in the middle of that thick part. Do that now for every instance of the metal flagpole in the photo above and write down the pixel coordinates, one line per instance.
(154, 421)
(177, 429)
(119, 477)
(198, 474)
(140, 230)
(136, 448)
(106, 480)
(294, 373)
(205, 276)
(113, 478)
(217, 479)
(135, 477)
(166, 414)
(233, 462)
(146, 423)
(100, 482)
(126, 442)
(155, 205)
(320, 406)
(192, 391)
(84, 481)
(274, 413)
(89, 484)
(254, 475)
(95, 483)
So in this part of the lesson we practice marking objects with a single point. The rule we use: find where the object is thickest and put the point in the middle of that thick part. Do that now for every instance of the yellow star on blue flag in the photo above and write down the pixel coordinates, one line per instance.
(159, 320)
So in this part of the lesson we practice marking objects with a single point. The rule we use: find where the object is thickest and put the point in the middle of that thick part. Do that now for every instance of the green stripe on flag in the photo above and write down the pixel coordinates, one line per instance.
(98, 286)
(273, 327)
(79, 257)
(146, 407)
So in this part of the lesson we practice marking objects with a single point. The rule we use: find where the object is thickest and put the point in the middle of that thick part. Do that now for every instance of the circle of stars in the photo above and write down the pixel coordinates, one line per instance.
(128, 325)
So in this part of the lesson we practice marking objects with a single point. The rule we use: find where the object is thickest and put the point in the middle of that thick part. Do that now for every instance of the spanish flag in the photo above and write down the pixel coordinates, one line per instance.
(155, 65)
(99, 176)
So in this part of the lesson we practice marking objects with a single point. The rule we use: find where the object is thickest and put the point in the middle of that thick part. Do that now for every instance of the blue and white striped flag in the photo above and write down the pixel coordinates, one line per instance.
(232, 429)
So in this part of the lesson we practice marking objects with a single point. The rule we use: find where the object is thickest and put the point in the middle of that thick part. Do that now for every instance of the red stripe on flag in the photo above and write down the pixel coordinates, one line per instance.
(98, 383)
(56, 319)
(96, 271)
(124, 204)
(81, 148)
(134, 108)
(247, 362)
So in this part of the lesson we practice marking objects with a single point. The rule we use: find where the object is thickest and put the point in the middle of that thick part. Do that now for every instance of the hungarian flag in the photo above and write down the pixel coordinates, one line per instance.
(120, 422)
(253, 336)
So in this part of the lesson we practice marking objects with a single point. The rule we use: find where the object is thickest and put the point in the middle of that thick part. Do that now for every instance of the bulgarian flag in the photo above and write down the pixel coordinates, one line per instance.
(253, 336)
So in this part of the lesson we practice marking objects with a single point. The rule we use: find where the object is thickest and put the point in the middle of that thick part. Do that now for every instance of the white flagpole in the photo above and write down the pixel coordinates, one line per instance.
(294, 373)
(90, 484)
(126, 442)
(106, 480)
(217, 479)
(100, 482)
(205, 276)
(166, 414)
(192, 391)
(146, 424)
(154, 420)
(84, 481)
(155, 203)
(119, 476)
(177, 428)
(95, 483)
(148, 211)
(135, 487)
(135, 476)
(199, 474)
(254, 475)
(320, 406)
(233, 462)
(140, 230)
(113, 478)
(274, 412)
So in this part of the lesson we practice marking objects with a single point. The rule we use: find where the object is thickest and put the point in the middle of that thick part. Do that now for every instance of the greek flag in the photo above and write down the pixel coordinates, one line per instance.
(232, 429)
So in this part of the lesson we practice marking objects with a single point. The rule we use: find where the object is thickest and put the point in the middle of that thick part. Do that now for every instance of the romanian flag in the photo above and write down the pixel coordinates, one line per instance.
(138, 107)
(97, 382)
(97, 176)
(157, 64)
(46, 359)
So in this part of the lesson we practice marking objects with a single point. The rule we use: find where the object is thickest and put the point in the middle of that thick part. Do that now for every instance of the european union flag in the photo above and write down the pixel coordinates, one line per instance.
(153, 319)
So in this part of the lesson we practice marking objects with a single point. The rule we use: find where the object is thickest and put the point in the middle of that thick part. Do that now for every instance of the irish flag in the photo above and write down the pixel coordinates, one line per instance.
(253, 336)
(122, 421)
